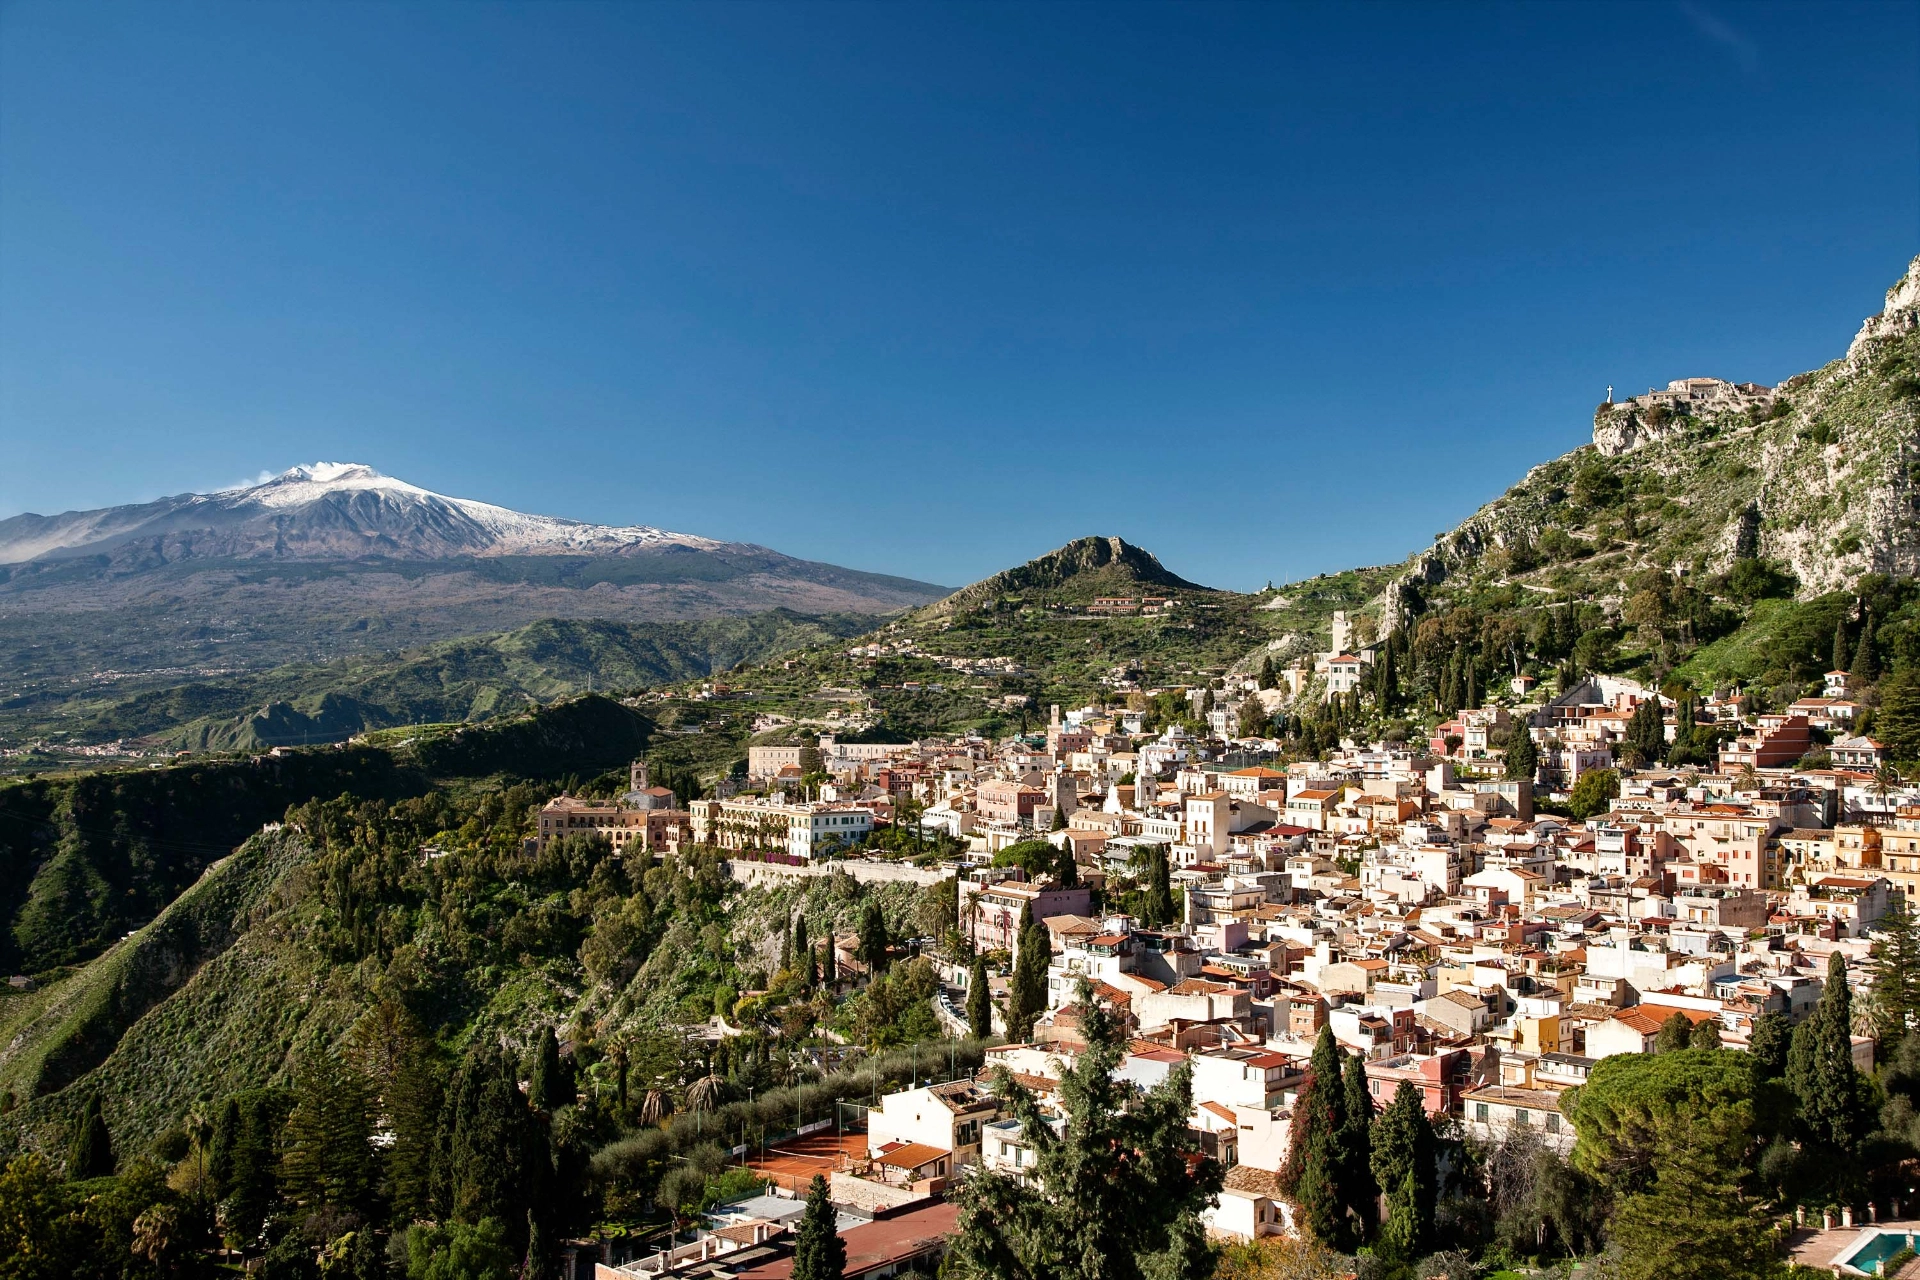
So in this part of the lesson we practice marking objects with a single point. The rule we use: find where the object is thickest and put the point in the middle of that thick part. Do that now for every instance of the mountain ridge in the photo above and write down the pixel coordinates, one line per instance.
(333, 559)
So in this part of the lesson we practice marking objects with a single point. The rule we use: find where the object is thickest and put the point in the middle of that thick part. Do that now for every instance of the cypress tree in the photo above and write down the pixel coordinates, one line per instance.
(1675, 1033)
(979, 1000)
(1828, 1083)
(540, 1261)
(818, 1251)
(1403, 1164)
(1523, 758)
(1028, 998)
(1772, 1034)
(1866, 668)
(873, 939)
(90, 1152)
(1267, 679)
(546, 1090)
(495, 1153)
(1646, 730)
(226, 1133)
(1157, 909)
(829, 962)
(1705, 1034)
(1841, 649)
(1065, 869)
(1059, 819)
(1326, 1170)
(1359, 1191)
(1316, 1176)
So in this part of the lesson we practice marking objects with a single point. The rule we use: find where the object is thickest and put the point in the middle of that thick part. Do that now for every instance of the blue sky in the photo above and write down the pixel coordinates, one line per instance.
(1270, 290)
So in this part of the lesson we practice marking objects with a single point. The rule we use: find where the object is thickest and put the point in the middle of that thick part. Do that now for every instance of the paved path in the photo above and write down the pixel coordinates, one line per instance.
(1821, 1249)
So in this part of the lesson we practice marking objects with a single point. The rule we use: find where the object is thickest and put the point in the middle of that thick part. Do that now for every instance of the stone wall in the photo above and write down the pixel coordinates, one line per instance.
(752, 873)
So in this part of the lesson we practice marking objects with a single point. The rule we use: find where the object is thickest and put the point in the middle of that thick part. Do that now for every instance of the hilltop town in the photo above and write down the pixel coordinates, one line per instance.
(1540, 902)
(1484, 916)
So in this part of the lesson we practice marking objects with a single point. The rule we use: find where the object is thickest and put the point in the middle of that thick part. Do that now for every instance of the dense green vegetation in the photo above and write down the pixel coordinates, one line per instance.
(472, 679)
(400, 962)
(86, 858)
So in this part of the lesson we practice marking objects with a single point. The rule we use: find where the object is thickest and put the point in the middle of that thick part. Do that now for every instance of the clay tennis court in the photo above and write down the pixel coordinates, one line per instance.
(793, 1162)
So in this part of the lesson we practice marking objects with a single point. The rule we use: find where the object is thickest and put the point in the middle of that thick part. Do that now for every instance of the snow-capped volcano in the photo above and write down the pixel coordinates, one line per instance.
(327, 510)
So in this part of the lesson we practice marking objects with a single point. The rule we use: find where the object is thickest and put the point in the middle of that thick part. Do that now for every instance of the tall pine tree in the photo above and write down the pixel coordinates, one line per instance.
(818, 1251)
(1896, 974)
(326, 1143)
(1116, 1191)
(412, 1106)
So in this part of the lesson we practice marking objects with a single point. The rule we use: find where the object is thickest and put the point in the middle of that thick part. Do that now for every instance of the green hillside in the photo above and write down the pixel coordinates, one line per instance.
(471, 679)
(1074, 574)
(89, 857)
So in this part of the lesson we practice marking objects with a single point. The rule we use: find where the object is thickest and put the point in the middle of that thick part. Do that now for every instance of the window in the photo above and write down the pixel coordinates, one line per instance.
(1521, 1118)
(1553, 1123)
(1480, 1112)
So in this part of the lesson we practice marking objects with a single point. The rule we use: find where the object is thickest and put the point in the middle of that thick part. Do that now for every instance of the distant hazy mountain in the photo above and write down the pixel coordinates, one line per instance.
(333, 558)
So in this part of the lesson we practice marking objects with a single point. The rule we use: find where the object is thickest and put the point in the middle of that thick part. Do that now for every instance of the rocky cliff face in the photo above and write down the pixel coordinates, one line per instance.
(1821, 476)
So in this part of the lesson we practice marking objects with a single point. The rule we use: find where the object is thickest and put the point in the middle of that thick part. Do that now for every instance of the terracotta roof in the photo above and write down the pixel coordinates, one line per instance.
(1246, 1180)
(910, 1155)
(882, 1243)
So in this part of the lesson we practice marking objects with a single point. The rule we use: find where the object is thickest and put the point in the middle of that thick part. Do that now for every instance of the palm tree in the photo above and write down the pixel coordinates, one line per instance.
(655, 1107)
(1885, 779)
(704, 1094)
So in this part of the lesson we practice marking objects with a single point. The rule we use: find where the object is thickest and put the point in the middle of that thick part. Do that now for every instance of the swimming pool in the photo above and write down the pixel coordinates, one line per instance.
(1876, 1249)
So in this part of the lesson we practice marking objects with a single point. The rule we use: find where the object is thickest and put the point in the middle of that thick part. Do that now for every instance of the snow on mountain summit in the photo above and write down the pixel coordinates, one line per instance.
(325, 510)
(501, 529)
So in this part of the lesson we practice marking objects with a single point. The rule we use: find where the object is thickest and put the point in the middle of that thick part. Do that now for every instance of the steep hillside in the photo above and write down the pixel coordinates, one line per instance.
(1819, 477)
(51, 1036)
(88, 858)
(473, 679)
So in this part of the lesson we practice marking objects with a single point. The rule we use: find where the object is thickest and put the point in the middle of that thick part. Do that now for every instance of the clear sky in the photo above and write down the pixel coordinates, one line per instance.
(1270, 290)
